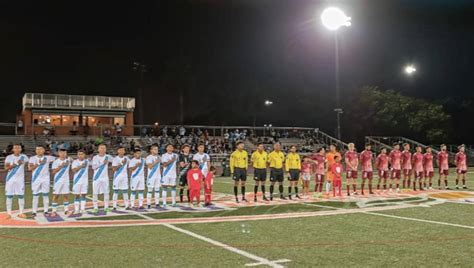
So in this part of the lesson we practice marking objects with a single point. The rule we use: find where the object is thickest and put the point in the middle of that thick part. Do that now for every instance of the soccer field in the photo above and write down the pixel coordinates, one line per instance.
(406, 230)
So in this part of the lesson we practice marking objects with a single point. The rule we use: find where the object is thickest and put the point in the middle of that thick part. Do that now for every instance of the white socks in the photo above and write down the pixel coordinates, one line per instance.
(132, 199)
(140, 199)
(83, 203)
(114, 199)
(164, 193)
(173, 195)
(95, 197)
(328, 187)
(157, 197)
(35, 203)
(125, 198)
(9, 205)
(21, 204)
(148, 198)
(45, 202)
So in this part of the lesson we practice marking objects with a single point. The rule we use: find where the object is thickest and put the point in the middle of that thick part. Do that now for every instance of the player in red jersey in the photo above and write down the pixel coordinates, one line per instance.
(428, 167)
(367, 170)
(406, 166)
(337, 170)
(195, 179)
(381, 162)
(461, 166)
(443, 165)
(319, 161)
(352, 163)
(395, 157)
(208, 182)
(417, 160)
(306, 174)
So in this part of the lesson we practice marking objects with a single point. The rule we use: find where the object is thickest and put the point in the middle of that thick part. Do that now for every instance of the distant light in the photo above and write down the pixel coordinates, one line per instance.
(410, 69)
(156, 123)
(268, 102)
(334, 18)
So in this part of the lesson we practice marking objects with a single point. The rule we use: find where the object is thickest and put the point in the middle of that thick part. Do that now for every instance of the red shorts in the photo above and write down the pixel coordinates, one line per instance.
(419, 174)
(195, 194)
(367, 175)
(429, 174)
(383, 174)
(337, 183)
(351, 174)
(319, 178)
(407, 172)
(444, 172)
(461, 171)
(396, 173)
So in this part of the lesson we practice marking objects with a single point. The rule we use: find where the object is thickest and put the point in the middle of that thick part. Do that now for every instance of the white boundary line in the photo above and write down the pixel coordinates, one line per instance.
(260, 260)
(420, 220)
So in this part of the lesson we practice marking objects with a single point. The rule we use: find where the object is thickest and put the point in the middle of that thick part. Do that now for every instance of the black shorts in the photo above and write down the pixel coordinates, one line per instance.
(183, 181)
(260, 174)
(294, 175)
(240, 174)
(276, 174)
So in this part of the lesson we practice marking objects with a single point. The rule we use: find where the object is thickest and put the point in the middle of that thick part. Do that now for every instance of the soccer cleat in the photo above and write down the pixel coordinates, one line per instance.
(271, 197)
(447, 188)
(457, 187)
(244, 200)
(129, 208)
(255, 199)
(175, 205)
(464, 187)
(297, 196)
(348, 194)
(398, 190)
(141, 207)
(157, 206)
(265, 198)
(22, 216)
(236, 200)
(33, 214)
(114, 209)
(8, 217)
(282, 197)
(289, 197)
(46, 214)
(94, 211)
(148, 206)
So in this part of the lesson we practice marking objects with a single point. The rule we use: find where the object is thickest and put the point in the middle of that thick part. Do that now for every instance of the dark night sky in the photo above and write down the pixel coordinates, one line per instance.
(234, 51)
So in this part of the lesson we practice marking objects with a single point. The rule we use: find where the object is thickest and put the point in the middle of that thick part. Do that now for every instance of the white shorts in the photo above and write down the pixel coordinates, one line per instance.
(40, 186)
(137, 184)
(100, 186)
(306, 177)
(80, 188)
(61, 187)
(13, 187)
(168, 181)
(120, 183)
(153, 184)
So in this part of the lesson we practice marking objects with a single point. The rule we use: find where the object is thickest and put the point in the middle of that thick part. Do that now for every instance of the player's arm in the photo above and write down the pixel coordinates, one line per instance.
(165, 164)
(132, 169)
(246, 162)
(150, 165)
(189, 177)
(95, 163)
(75, 167)
(9, 165)
(56, 169)
(231, 163)
(32, 166)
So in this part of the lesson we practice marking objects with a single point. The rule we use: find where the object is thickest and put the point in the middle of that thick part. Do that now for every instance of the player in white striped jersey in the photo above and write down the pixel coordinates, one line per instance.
(15, 180)
(100, 180)
(40, 178)
(120, 181)
(60, 170)
(136, 167)
(154, 176)
(203, 159)
(169, 161)
(80, 169)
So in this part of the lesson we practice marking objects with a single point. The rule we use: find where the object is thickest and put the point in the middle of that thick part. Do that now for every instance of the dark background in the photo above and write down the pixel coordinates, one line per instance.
(228, 56)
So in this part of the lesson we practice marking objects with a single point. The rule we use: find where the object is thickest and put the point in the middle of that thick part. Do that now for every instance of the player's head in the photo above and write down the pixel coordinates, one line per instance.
(212, 169)
(39, 150)
(418, 149)
(240, 145)
(461, 147)
(443, 147)
(277, 146)
(368, 146)
(16, 148)
(321, 150)
(383, 150)
(154, 149)
(62, 153)
(396, 146)
(305, 159)
(428, 149)
(121, 151)
(406, 146)
(102, 149)
(81, 154)
(169, 148)
(137, 153)
(201, 148)
(185, 148)
(337, 159)
(332, 147)
(260, 147)
(293, 148)
(351, 146)
(195, 164)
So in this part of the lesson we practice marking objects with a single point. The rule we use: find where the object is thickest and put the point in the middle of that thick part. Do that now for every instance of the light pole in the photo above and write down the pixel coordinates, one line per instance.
(334, 18)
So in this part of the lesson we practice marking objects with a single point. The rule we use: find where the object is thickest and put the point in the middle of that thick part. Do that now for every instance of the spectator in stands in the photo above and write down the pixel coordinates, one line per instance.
(118, 129)
(182, 131)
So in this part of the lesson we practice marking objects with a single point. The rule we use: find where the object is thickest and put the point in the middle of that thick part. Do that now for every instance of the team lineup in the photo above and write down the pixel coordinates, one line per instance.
(159, 174)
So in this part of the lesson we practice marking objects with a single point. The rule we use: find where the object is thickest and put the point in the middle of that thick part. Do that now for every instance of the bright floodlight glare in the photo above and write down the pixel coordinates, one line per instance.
(268, 102)
(410, 69)
(333, 18)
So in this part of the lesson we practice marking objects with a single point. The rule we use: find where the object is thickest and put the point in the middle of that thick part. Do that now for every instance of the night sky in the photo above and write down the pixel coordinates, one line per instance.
(227, 56)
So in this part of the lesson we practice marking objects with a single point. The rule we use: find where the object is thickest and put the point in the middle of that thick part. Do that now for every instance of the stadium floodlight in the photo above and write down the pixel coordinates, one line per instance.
(334, 18)
(268, 102)
(410, 69)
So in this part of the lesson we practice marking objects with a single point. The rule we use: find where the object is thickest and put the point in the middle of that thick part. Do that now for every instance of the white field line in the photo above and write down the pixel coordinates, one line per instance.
(259, 260)
(420, 220)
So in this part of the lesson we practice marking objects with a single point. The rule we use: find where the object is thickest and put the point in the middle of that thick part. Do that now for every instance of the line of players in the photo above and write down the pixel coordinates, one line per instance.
(390, 168)
(128, 174)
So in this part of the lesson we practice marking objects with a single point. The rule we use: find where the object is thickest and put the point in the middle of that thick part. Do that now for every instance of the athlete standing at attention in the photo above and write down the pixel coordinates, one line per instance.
(153, 182)
(136, 168)
(330, 160)
(319, 160)
(80, 181)
(293, 167)
(276, 160)
(203, 159)
(169, 161)
(100, 183)
(417, 160)
(428, 167)
(120, 180)
(395, 157)
(443, 166)
(382, 167)
(185, 159)
(406, 165)
(61, 177)
(259, 162)
(367, 170)
(238, 169)
(352, 163)
(461, 166)
(15, 180)
(40, 178)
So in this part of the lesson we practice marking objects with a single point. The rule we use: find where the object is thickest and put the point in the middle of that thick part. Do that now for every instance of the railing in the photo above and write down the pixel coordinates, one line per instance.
(77, 102)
